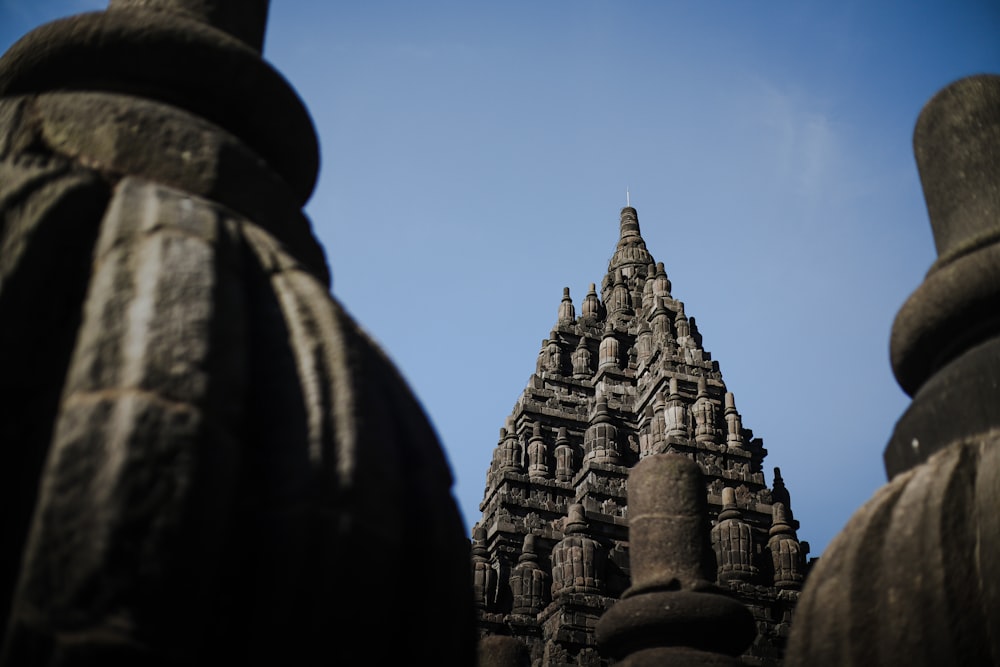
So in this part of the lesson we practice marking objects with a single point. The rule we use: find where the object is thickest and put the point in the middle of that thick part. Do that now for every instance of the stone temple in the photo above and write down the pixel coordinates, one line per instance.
(624, 377)
(207, 461)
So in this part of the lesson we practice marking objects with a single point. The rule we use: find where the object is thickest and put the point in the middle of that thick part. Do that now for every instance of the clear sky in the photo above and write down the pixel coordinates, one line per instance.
(475, 157)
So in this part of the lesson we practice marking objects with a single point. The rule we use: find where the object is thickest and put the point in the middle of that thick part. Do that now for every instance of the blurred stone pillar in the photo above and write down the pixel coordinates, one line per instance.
(672, 614)
(913, 578)
(206, 461)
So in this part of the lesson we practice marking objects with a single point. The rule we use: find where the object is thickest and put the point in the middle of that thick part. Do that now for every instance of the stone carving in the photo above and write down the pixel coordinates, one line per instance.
(529, 583)
(600, 441)
(538, 466)
(608, 353)
(734, 425)
(675, 415)
(703, 412)
(925, 545)
(671, 614)
(581, 360)
(553, 357)
(786, 553)
(567, 313)
(564, 457)
(591, 309)
(578, 561)
(204, 437)
(508, 455)
(484, 583)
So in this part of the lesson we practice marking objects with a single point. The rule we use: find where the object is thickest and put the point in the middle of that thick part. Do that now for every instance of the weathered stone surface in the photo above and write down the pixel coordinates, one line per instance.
(913, 577)
(215, 463)
(672, 613)
(178, 60)
(626, 381)
(49, 216)
(501, 651)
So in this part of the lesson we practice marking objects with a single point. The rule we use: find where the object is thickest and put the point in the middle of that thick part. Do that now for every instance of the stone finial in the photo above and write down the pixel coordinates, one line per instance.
(947, 322)
(564, 456)
(675, 417)
(647, 285)
(591, 308)
(656, 438)
(681, 325)
(600, 440)
(581, 360)
(660, 317)
(578, 561)
(703, 411)
(661, 285)
(924, 545)
(552, 355)
(538, 466)
(786, 552)
(528, 582)
(173, 51)
(509, 452)
(672, 613)
(567, 313)
(629, 222)
(644, 342)
(484, 582)
(779, 491)
(734, 425)
(609, 351)
(732, 540)
(621, 299)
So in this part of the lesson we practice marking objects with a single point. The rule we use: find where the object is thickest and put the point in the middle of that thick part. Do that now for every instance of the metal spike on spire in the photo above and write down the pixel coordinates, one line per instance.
(627, 200)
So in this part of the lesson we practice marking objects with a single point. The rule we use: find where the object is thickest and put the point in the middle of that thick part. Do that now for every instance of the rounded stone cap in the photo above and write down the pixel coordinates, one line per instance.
(957, 148)
(178, 60)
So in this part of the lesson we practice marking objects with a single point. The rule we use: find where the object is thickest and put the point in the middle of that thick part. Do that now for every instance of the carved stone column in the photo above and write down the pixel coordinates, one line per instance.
(672, 614)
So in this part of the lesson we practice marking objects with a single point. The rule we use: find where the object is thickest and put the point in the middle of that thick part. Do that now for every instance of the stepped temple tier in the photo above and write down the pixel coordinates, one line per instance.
(624, 378)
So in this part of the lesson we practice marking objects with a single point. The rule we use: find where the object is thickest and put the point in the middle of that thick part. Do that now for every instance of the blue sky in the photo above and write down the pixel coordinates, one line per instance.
(475, 157)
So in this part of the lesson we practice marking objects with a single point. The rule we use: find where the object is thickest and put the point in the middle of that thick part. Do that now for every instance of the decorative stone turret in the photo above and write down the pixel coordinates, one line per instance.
(661, 284)
(577, 560)
(660, 318)
(484, 581)
(600, 442)
(732, 540)
(734, 425)
(564, 457)
(620, 301)
(591, 309)
(538, 466)
(704, 414)
(786, 552)
(529, 584)
(609, 353)
(581, 360)
(672, 614)
(567, 313)
(509, 455)
(644, 342)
